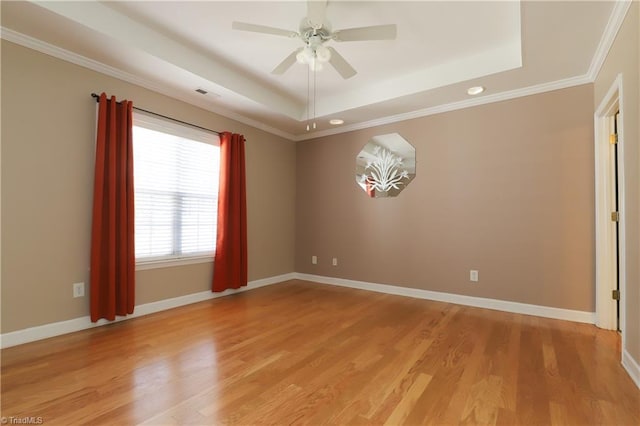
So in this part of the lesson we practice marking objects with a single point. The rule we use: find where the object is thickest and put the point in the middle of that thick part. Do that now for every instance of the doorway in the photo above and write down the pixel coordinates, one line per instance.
(615, 214)
(610, 229)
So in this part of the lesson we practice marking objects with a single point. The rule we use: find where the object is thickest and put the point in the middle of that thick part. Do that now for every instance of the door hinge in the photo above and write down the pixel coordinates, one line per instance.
(613, 138)
(615, 216)
(615, 294)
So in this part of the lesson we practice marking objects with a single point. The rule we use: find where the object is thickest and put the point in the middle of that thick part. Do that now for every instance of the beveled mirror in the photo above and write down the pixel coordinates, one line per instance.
(385, 165)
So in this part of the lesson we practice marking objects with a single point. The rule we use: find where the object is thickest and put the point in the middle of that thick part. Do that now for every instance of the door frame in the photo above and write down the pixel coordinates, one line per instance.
(605, 231)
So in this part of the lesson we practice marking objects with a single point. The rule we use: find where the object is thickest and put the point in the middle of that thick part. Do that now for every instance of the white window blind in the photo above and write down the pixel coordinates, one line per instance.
(176, 189)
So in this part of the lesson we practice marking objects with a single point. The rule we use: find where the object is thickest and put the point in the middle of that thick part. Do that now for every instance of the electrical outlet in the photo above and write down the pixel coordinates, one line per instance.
(78, 290)
(314, 260)
(334, 262)
(473, 275)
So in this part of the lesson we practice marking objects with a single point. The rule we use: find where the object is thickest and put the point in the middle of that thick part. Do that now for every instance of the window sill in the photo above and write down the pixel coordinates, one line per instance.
(169, 263)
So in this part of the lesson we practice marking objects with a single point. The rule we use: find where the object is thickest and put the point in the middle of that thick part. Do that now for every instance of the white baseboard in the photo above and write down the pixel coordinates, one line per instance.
(632, 367)
(479, 302)
(55, 329)
(63, 327)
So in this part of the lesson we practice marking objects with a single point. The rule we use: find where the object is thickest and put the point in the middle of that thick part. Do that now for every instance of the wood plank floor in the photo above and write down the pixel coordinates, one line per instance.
(307, 353)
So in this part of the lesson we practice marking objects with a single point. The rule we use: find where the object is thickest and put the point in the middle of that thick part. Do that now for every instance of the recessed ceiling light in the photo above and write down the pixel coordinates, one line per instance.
(336, 121)
(476, 90)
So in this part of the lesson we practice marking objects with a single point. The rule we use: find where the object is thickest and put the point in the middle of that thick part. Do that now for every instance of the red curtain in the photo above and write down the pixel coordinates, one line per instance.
(112, 235)
(371, 191)
(230, 265)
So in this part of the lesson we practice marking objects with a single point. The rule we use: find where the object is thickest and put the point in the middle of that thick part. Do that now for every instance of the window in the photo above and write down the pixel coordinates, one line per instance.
(175, 170)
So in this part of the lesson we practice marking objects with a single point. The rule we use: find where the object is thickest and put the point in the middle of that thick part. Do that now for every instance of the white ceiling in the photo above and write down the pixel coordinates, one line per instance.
(442, 48)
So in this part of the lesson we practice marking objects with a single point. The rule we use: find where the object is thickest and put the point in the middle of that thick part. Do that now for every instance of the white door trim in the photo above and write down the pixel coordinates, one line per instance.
(605, 228)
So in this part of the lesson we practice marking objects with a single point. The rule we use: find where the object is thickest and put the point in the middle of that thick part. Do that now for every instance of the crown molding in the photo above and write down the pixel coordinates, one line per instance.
(468, 103)
(620, 9)
(74, 58)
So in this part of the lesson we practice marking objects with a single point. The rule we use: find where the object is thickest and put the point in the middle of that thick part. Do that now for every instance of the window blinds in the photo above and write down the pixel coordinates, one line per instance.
(176, 170)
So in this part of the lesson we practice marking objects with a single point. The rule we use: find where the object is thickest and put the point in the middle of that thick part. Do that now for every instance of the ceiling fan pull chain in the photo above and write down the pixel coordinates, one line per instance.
(308, 97)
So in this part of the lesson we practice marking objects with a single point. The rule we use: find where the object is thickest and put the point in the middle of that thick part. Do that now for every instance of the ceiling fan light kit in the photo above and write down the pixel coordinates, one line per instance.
(314, 57)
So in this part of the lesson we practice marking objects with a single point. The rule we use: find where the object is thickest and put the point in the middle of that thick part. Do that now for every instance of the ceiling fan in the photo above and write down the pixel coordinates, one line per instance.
(315, 31)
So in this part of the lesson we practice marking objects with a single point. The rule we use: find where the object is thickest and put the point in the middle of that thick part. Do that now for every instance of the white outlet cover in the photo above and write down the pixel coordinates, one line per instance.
(78, 290)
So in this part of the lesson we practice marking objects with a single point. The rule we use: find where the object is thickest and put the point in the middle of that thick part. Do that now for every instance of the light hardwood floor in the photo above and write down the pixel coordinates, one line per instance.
(307, 353)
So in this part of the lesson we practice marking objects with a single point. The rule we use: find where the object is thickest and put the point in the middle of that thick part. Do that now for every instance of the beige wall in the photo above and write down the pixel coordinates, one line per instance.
(623, 58)
(48, 132)
(504, 188)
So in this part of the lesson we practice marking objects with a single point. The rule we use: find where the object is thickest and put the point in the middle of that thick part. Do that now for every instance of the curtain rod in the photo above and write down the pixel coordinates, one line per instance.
(94, 95)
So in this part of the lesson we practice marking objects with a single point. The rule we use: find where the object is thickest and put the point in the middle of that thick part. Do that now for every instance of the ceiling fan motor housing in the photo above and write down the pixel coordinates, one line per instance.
(308, 31)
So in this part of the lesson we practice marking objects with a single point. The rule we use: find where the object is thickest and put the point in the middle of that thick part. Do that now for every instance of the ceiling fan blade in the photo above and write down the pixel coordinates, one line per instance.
(376, 32)
(316, 12)
(341, 65)
(243, 26)
(286, 64)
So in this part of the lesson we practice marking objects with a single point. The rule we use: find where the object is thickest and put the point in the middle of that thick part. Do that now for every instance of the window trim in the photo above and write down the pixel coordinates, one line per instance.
(145, 264)
(151, 122)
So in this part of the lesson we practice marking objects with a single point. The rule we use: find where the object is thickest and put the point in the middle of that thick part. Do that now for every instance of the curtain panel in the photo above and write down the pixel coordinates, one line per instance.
(230, 263)
(112, 236)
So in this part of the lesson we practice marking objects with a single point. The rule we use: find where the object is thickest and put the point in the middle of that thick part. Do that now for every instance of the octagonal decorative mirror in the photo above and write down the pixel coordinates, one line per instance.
(385, 165)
